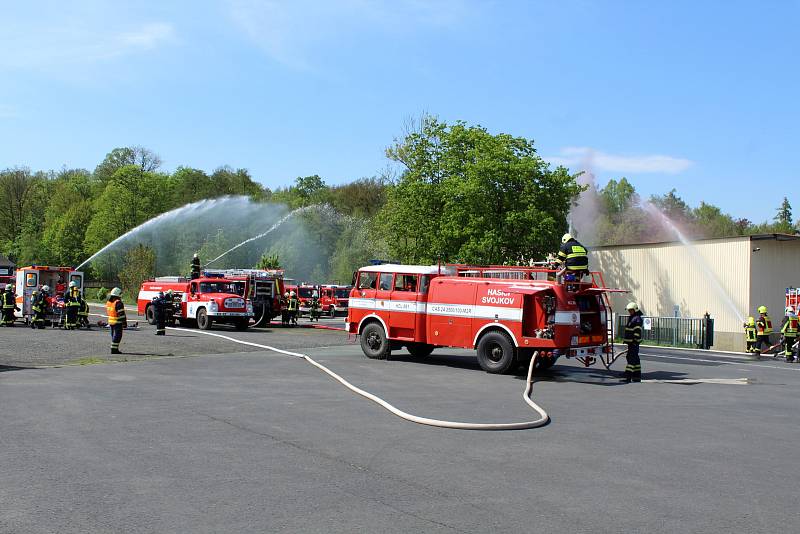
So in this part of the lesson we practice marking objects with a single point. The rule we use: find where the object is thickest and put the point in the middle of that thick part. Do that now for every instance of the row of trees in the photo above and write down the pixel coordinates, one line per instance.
(462, 194)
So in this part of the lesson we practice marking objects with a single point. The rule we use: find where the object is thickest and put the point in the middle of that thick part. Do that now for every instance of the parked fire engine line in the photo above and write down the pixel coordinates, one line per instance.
(543, 419)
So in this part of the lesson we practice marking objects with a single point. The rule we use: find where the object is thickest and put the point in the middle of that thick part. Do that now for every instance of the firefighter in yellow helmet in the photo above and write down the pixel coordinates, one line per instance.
(632, 337)
(789, 329)
(8, 303)
(115, 309)
(750, 334)
(763, 329)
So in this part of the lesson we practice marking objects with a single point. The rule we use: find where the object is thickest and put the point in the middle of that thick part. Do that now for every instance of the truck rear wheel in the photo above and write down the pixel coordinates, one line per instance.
(150, 315)
(496, 353)
(420, 350)
(203, 320)
(374, 342)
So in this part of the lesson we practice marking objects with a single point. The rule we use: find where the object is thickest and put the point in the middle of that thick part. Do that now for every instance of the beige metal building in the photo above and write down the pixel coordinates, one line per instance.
(727, 277)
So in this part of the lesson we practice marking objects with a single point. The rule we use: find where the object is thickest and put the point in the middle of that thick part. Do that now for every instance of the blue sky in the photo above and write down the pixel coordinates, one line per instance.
(699, 96)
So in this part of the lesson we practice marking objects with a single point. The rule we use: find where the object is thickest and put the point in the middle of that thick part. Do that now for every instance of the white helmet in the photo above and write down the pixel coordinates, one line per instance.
(73, 284)
(315, 294)
(45, 288)
(286, 294)
(291, 294)
(116, 292)
(566, 237)
(789, 310)
(632, 306)
(9, 287)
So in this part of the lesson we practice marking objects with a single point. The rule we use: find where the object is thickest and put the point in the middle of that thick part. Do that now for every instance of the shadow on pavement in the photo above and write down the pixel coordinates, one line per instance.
(593, 376)
(6, 368)
(447, 360)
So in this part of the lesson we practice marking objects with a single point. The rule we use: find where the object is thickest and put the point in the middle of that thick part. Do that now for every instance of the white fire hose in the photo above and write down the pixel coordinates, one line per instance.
(526, 396)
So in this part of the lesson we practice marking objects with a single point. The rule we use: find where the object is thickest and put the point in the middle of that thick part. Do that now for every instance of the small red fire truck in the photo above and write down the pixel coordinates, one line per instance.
(504, 313)
(203, 301)
(334, 299)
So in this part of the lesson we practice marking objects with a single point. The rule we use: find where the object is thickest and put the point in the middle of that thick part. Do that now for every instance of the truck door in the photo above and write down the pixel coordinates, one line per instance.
(362, 303)
(383, 298)
(77, 277)
(403, 311)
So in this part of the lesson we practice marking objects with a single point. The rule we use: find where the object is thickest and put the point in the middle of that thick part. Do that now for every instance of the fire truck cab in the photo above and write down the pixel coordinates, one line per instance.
(33, 277)
(504, 313)
(262, 287)
(204, 300)
(334, 299)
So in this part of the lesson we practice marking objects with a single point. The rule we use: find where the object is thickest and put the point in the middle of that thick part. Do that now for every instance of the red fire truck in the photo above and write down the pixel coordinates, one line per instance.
(203, 301)
(263, 287)
(334, 298)
(504, 313)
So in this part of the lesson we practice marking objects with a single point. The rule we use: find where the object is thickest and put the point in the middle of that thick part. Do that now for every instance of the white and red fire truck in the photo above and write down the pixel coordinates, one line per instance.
(333, 298)
(33, 277)
(504, 313)
(203, 301)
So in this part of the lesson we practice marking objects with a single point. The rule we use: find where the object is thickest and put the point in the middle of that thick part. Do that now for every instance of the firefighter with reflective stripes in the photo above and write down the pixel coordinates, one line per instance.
(750, 334)
(789, 330)
(83, 312)
(115, 309)
(39, 307)
(763, 329)
(159, 305)
(71, 307)
(8, 301)
(294, 307)
(573, 257)
(633, 336)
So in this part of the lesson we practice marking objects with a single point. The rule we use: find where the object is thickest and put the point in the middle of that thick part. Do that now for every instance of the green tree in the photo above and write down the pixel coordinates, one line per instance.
(618, 196)
(142, 158)
(64, 235)
(467, 195)
(269, 262)
(783, 219)
(139, 265)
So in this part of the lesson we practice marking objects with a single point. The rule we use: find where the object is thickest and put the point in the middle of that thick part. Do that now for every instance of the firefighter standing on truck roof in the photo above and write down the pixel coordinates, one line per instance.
(159, 305)
(195, 266)
(633, 336)
(115, 309)
(750, 334)
(789, 331)
(573, 257)
(763, 329)
(9, 304)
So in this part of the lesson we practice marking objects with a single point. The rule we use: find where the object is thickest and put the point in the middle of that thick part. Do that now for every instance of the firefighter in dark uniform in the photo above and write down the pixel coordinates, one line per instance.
(169, 310)
(789, 331)
(195, 267)
(763, 329)
(39, 307)
(71, 306)
(314, 307)
(750, 334)
(294, 307)
(285, 309)
(117, 321)
(8, 301)
(573, 257)
(83, 312)
(633, 336)
(159, 305)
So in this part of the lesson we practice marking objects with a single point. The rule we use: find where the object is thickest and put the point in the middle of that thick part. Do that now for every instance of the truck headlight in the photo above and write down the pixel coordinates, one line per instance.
(249, 307)
(212, 305)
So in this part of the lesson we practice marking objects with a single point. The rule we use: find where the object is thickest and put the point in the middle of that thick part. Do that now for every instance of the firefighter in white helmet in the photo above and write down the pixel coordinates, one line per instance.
(789, 329)
(633, 336)
(285, 309)
(8, 304)
(294, 307)
(115, 309)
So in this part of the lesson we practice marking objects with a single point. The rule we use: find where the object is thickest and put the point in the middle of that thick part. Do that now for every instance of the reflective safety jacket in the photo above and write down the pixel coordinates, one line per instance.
(574, 256)
(750, 332)
(293, 302)
(9, 300)
(789, 328)
(83, 311)
(115, 310)
(764, 325)
(633, 330)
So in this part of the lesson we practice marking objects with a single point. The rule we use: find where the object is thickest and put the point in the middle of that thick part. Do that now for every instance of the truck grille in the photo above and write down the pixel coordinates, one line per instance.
(234, 303)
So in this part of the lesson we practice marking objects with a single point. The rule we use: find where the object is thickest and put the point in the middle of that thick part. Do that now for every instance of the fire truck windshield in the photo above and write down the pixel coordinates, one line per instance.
(221, 287)
(304, 292)
(341, 293)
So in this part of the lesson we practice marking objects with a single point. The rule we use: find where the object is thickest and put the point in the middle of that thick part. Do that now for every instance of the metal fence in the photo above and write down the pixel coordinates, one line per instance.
(672, 331)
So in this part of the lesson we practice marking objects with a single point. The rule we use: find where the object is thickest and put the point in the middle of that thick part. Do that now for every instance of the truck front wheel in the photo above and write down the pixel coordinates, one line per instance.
(203, 320)
(496, 353)
(374, 342)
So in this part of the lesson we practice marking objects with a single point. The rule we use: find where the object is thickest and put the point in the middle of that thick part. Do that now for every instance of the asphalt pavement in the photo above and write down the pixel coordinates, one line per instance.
(239, 439)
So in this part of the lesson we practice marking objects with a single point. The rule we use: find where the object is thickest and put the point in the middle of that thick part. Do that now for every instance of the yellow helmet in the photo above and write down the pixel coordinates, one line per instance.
(566, 237)
(762, 309)
(751, 321)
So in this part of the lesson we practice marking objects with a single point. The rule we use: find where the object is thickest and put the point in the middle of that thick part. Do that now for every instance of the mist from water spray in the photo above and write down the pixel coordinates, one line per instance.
(267, 232)
(194, 209)
(699, 260)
